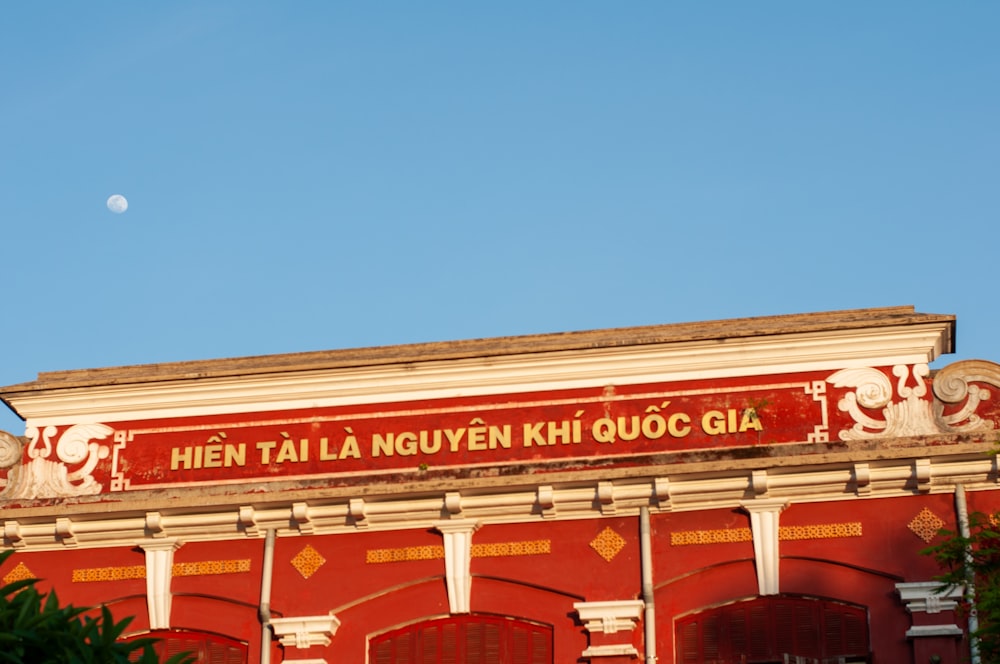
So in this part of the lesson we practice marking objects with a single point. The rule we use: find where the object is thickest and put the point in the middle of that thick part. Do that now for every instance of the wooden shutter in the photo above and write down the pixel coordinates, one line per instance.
(465, 640)
(773, 629)
(207, 648)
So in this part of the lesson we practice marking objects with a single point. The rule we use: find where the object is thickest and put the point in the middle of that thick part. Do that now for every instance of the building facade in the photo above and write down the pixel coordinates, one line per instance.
(754, 490)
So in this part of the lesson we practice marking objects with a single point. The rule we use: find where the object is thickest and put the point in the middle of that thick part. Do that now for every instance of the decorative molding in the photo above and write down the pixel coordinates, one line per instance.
(862, 479)
(661, 493)
(305, 631)
(929, 597)
(606, 498)
(302, 518)
(546, 501)
(457, 535)
(764, 515)
(821, 432)
(610, 617)
(494, 375)
(59, 470)
(11, 452)
(357, 509)
(879, 411)
(954, 384)
(918, 631)
(890, 478)
(12, 534)
(616, 650)
(248, 519)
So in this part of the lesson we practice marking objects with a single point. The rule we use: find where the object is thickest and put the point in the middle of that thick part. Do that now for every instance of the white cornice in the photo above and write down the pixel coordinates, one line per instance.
(499, 505)
(770, 355)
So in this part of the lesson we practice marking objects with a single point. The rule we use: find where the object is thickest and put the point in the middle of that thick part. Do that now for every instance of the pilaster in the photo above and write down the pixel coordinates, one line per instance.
(159, 573)
(764, 513)
(457, 535)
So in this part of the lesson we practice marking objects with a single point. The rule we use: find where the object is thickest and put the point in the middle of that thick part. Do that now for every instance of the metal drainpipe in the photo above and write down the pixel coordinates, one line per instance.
(267, 573)
(962, 510)
(646, 558)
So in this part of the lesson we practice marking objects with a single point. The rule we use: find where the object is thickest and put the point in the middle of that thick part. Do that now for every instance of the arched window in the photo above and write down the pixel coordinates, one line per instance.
(208, 648)
(473, 639)
(778, 629)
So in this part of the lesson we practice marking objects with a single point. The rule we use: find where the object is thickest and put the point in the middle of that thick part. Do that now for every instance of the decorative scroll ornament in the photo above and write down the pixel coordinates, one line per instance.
(954, 384)
(907, 411)
(69, 474)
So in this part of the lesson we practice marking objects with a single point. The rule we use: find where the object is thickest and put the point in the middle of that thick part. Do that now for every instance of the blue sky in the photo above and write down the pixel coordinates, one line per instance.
(318, 175)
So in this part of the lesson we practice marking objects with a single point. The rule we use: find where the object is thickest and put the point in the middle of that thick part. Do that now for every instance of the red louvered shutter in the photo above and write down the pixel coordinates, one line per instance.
(689, 644)
(382, 653)
(465, 640)
(773, 629)
(207, 648)
(541, 645)
(449, 643)
(761, 632)
(807, 629)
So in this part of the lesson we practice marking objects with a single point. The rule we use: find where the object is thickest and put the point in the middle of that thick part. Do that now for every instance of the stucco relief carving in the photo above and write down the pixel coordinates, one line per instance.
(54, 471)
(904, 408)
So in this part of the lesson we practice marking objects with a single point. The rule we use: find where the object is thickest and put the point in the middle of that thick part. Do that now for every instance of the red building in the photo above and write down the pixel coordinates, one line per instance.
(753, 490)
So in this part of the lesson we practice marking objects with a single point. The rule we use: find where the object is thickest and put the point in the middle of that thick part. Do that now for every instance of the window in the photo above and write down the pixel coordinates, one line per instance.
(775, 630)
(473, 639)
(208, 648)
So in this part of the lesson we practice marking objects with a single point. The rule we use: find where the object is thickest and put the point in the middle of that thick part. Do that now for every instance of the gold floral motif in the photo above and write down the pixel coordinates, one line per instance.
(508, 549)
(210, 567)
(820, 531)
(19, 573)
(718, 536)
(125, 572)
(404, 554)
(786, 533)
(926, 525)
(608, 544)
(436, 552)
(121, 573)
(308, 561)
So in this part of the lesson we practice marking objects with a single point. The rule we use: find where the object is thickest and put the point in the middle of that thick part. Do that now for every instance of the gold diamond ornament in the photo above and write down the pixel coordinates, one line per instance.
(19, 573)
(926, 525)
(608, 544)
(308, 561)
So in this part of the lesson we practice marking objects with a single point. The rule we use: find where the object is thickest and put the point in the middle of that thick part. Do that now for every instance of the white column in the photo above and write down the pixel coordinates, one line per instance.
(764, 528)
(458, 560)
(159, 571)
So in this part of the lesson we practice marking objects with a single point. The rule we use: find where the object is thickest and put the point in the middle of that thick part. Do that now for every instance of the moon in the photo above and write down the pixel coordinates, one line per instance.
(117, 203)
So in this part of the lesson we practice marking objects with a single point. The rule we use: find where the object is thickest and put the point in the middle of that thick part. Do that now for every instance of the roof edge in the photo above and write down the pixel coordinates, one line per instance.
(725, 329)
